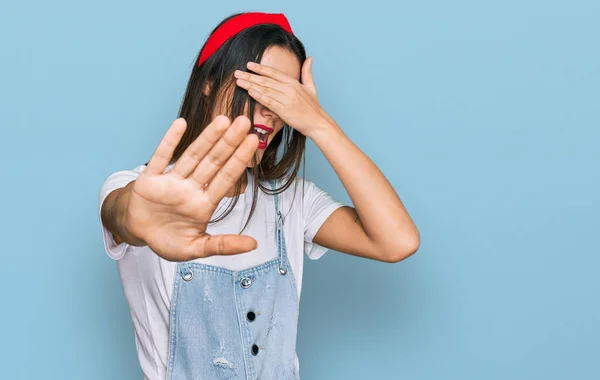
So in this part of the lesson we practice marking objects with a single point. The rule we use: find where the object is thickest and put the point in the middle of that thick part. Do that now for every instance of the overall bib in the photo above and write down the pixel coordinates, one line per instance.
(238, 325)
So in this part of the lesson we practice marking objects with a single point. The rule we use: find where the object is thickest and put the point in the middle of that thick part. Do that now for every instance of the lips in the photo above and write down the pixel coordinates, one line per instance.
(263, 132)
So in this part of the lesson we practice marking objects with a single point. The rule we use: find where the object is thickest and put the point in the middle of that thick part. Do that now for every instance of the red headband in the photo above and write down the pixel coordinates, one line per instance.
(235, 25)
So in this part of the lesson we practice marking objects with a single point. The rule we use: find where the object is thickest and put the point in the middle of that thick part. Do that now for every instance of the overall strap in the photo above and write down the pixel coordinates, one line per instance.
(184, 270)
(280, 238)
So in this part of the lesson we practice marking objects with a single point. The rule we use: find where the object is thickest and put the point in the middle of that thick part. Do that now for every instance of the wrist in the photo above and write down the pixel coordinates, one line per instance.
(122, 222)
(322, 127)
(324, 130)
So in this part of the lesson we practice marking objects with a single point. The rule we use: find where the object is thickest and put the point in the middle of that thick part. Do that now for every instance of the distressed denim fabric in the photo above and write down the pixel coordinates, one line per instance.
(235, 324)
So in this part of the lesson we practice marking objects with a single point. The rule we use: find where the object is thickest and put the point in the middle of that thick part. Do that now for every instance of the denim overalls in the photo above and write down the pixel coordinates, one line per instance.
(228, 324)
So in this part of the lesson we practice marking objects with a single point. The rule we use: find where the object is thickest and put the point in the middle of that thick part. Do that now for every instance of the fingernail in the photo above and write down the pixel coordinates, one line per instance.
(251, 64)
(237, 74)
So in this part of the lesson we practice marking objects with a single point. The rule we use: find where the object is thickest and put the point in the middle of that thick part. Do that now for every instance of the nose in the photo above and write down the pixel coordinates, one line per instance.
(267, 113)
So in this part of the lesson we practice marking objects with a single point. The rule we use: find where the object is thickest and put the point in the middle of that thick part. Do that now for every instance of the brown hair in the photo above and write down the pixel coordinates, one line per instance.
(283, 156)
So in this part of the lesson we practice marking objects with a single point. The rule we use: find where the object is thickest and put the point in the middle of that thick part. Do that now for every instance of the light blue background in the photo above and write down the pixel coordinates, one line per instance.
(484, 117)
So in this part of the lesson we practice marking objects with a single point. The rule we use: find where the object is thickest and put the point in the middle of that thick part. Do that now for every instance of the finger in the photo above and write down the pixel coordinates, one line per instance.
(225, 245)
(223, 149)
(270, 72)
(198, 149)
(258, 89)
(164, 152)
(261, 80)
(267, 101)
(226, 178)
(307, 75)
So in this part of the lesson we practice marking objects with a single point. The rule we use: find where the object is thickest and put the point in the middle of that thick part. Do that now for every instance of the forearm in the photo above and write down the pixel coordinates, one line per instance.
(113, 212)
(381, 212)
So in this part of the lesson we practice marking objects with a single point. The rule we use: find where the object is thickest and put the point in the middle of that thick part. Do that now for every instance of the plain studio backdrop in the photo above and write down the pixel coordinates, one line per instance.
(482, 115)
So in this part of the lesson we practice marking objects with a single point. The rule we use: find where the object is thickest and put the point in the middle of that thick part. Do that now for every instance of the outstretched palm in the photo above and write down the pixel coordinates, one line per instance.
(170, 211)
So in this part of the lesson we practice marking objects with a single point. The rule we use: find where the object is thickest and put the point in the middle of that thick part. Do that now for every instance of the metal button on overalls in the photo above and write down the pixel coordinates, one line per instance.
(246, 282)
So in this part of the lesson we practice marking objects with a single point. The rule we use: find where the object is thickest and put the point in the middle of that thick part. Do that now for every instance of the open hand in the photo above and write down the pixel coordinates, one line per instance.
(294, 102)
(170, 211)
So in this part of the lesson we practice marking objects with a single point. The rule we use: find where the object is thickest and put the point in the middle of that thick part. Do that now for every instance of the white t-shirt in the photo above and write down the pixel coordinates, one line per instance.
(148, 279)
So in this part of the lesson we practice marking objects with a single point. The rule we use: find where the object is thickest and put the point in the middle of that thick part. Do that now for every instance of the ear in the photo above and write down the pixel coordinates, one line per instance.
(207, 88)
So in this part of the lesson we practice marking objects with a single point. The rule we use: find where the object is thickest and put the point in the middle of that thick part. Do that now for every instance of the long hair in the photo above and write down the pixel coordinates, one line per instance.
(217, 73)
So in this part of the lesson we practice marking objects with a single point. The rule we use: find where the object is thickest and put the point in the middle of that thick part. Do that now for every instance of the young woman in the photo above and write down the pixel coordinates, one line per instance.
(210, 234)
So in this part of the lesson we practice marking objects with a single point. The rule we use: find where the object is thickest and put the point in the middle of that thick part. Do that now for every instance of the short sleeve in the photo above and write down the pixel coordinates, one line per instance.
(317, 207)
(115, 181)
